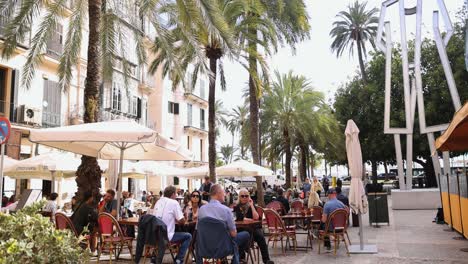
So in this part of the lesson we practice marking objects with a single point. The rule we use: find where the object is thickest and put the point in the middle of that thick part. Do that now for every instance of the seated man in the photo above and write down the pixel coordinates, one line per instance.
(341, 197)
(283, 200)
(108, 203)
(169, 211)
(215, 209)
(86, 216)
(329, 207)
(245, 210)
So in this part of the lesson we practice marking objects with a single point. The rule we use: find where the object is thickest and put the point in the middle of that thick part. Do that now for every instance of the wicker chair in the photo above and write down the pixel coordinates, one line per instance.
(63, 222)
(277, 206)
(336, 228)
(112, 236)
(278, 231)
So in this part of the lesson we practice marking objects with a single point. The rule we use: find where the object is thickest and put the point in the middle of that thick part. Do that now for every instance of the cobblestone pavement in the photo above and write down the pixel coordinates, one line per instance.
(411, 237)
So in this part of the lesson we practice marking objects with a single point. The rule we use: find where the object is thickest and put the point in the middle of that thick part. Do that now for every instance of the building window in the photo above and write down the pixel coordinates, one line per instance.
(202, 89)
(52, 104)
(133, 108)
(201, 149)
(202, 118)
(55, 42)
(189, 114)
(188, 143)
(173, 108)
(116, 97)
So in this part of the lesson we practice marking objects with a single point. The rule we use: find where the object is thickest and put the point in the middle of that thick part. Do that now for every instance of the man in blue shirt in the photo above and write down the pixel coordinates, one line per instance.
(331, 205)
(215, 209)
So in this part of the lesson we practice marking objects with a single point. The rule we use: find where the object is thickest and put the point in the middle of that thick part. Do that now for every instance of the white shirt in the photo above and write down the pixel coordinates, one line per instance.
(169, 211)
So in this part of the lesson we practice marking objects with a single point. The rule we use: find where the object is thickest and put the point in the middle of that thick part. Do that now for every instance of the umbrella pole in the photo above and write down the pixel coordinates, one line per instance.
(52, 176)
(119, 181)
(361, 235)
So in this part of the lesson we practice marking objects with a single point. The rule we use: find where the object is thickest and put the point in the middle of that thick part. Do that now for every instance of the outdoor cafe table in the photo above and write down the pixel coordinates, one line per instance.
(307, 222)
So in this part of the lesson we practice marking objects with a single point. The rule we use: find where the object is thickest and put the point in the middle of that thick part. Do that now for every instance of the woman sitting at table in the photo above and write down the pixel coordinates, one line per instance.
(245, 210)
(191, 209)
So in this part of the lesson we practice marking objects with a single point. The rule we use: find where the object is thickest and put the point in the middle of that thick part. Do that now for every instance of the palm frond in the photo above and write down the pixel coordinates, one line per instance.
(53, 12)
(72, 46)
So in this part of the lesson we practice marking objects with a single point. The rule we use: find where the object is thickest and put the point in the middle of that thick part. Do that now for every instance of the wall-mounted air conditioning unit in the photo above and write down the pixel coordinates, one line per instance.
(28, 115)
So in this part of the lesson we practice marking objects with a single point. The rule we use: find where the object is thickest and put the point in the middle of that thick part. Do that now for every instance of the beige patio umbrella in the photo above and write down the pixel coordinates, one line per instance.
(112, 140)
(243, 168)
(195, 172)
(357, 195)
(47, 166)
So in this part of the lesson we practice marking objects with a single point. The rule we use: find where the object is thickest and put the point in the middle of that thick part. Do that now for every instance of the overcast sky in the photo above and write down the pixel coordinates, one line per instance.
(314, 58)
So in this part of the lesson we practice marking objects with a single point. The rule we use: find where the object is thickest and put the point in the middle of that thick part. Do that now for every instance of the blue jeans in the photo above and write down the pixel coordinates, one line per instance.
(242, 240)
(185, 238)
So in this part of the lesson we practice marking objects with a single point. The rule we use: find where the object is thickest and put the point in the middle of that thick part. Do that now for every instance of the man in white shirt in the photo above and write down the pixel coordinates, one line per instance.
(169, 211)
(51, 205)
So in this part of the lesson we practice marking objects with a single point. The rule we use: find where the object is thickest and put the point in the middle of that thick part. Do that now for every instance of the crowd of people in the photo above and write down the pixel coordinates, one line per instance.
(176, 207)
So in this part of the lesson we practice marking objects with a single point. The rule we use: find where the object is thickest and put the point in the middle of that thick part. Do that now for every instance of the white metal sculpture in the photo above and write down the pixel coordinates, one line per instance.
(413, 83)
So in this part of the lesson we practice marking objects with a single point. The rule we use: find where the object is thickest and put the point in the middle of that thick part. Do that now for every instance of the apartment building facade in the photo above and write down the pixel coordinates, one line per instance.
(140, 96)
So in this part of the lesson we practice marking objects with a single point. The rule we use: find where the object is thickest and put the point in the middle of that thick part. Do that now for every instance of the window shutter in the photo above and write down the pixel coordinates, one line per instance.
(139, 108)
(169, 107)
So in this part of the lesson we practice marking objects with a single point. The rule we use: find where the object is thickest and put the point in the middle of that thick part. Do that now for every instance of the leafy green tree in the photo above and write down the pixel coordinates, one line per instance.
(357, 26)
(364, 103)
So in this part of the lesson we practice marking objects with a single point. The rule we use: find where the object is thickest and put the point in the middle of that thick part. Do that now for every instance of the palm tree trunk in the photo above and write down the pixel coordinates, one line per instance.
(303, 165)
(361, 61)
(254, 119)
(89, 173)
(212, 121)
(288, 152)
(312, 164)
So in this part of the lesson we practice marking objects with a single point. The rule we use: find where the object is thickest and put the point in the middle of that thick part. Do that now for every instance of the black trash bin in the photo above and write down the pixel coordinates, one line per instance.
(378, 208)
(355, 219)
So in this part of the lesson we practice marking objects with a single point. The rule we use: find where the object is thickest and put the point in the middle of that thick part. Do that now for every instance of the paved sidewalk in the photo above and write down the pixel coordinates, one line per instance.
(412, 237)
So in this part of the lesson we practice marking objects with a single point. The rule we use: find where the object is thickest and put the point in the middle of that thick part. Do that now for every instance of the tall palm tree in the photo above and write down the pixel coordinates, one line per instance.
(106, 39)
(209, 46)
(289, 105)
(237, 123)
(357, 26)
(290, 25)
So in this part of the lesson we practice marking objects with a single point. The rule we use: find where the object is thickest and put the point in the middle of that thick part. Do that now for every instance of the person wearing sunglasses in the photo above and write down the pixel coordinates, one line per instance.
(245, 210)
(191, 210)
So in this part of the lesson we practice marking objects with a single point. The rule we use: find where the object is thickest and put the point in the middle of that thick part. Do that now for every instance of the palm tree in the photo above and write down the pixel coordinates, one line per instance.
(237, 123)
(355, 26)
(214, 45)
(227, 153)
(106, 40)
(288, 23)
(290, 107)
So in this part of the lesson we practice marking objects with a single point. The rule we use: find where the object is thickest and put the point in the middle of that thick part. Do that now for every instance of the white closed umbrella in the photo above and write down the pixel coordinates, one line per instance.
(357, 195)
(117, 139)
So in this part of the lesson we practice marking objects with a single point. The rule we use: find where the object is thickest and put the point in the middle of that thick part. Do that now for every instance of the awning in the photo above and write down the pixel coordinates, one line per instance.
(455, 138)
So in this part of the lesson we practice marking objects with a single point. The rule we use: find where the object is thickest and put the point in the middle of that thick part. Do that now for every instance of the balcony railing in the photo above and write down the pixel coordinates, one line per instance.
(189, 95)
